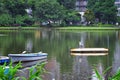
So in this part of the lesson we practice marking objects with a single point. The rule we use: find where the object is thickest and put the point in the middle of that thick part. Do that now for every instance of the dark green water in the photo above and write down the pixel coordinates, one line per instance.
(61, 64)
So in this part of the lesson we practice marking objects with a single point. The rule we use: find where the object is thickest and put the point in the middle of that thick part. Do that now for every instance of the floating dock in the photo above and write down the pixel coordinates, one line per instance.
(89, 51)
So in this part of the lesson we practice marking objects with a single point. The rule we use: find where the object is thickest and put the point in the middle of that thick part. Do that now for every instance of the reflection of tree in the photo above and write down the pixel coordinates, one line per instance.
(83, 38)
(14, 42)
(99, 39)
(58, 44)
(81, 68)
(52, 67)
(116, 63)
(29, 45)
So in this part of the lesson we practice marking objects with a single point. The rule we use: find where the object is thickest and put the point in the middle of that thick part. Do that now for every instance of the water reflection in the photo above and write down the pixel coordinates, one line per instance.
(116, 63)
(61, 64)
(80, 68)
(29, 45)
(100, 70)
(24, 71)
(53, 69)
(89, 54)
(82, 40)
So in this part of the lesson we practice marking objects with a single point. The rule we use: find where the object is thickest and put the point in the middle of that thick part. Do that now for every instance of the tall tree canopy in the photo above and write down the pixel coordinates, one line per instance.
(15, 7)
(104, 10)
(89, 16)
(69, 4)
(48, 10)
(3, 10)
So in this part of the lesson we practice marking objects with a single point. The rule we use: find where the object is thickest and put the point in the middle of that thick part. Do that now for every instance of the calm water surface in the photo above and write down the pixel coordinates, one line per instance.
(60, 64)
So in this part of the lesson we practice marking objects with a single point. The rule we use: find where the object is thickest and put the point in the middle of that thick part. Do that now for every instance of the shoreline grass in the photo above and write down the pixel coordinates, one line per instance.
(61, 28)
(19, 28)
(88, 28)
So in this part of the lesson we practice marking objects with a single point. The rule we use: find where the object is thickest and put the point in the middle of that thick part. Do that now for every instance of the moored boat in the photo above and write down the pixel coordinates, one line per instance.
(4, 59)
(27, 57)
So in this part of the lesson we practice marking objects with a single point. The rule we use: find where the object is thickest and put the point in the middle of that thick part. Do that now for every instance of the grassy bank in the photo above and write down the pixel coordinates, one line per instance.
(18, 28)
(61, 28)
(88, 28)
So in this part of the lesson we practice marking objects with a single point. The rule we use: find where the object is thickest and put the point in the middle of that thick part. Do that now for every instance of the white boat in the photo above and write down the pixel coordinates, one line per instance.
(27, 57)
(30, 63)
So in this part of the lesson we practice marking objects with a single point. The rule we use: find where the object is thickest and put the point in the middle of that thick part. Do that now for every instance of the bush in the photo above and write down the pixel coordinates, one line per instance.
(23, 20)
(10, 72)
(6, 20)
(99, 76)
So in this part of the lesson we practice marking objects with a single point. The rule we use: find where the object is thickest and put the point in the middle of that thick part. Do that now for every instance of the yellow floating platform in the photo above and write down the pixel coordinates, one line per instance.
(89, 51)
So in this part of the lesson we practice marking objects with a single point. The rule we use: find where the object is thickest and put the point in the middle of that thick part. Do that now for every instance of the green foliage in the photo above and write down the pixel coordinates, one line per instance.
(6, 20)
(47, 11)
(37, 71)
(118, 19)
(52, 12)
(12, 13)
(10, 72)
(104, 10)
(116, 76)
(2, 8)
(15, 7)
(19, 20)
(89, 15)
(23, 20)
(68, 4)
(72, 16)
(99, 76)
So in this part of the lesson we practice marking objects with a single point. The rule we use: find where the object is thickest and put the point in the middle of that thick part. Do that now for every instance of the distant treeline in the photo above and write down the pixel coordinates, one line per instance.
(53, 13)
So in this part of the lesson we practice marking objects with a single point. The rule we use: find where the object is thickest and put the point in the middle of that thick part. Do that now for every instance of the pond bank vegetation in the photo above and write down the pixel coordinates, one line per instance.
(9, 72)
(61, 28)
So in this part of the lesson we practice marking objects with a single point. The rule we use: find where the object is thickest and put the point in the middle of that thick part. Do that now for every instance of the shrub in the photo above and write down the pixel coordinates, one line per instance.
(6, 20)
(10, 72)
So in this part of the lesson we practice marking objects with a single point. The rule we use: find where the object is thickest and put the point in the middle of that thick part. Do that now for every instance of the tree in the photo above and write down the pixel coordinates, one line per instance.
(104, 10)
(6, 20)
(15, 7)
(89, 16)
(12, 12)
(68, 4)
(3, 10)
(48, 11)
(91, 4)
(72, 17)
(109, 11)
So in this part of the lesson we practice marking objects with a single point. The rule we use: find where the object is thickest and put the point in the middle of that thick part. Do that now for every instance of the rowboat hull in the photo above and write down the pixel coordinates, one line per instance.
(27, 57)
(4, 59)
(31, 63)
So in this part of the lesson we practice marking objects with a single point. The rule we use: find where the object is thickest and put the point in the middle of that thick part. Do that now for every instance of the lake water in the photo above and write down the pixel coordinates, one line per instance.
(61, 65)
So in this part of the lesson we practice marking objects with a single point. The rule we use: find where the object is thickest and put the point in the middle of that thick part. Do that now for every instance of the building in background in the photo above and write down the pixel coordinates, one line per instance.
(117, 3)
(81, 6)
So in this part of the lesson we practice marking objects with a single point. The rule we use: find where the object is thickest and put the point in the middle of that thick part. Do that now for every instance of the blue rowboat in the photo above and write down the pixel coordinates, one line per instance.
(4, 59)
(27, 57)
